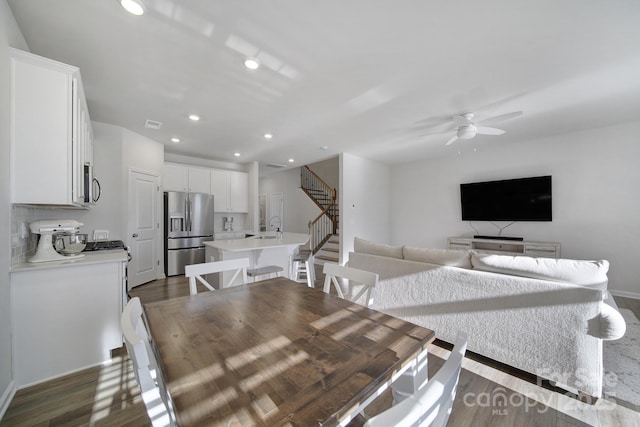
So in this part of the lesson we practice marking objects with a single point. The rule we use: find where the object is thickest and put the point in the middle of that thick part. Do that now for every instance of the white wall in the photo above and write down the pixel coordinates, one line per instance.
(329, 171)
(6, 372)
(10, 35)
(596, 202)
(298, 207)
(364, 202)
(142, 154)
(253, 218)
(207, 163)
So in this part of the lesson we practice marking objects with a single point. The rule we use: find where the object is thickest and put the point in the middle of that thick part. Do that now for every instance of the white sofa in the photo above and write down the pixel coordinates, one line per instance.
(545, 316)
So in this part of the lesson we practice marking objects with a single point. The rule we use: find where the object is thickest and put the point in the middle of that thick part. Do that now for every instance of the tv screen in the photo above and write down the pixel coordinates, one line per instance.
(523, 199)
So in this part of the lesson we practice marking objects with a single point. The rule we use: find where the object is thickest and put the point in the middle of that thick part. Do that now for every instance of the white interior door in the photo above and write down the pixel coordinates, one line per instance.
(276, 212)
(143, 226)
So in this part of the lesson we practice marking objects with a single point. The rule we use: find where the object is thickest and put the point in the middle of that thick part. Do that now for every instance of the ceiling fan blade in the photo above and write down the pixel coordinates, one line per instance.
(452, 140)
(432, 122)
(496, 119)
(483, 130)
(445, 129)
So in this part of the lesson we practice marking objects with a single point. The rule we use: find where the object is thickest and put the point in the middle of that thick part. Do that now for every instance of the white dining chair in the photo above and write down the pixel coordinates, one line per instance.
(145, 366)
(195, 272)
(431, 405)
(366, 281)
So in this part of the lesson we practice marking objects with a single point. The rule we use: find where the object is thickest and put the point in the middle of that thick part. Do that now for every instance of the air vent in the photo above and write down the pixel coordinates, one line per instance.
(152, 124)
(275, 165)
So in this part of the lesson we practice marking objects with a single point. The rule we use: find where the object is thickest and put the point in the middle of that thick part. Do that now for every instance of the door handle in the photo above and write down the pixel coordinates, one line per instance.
(134, 235)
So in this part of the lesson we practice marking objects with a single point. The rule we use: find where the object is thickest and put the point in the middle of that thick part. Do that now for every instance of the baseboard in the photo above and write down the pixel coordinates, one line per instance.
(626, 294)
(6, 398)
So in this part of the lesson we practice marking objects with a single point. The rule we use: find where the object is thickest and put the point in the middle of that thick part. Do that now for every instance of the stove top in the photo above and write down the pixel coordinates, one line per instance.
(103, 245)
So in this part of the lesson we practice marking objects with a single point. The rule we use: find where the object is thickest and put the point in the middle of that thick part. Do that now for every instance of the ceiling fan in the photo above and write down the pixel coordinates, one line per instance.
(467, 128)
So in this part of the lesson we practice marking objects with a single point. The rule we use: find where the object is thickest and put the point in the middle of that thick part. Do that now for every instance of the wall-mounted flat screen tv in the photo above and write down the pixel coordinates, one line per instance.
(523, 199)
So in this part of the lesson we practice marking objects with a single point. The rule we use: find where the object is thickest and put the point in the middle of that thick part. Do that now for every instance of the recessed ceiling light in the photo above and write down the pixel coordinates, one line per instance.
(324, 147)
(176, 140)
(194, 117)
(236, 154)
(291, 160)
(268, 136)
(252, 63)
(134, 7)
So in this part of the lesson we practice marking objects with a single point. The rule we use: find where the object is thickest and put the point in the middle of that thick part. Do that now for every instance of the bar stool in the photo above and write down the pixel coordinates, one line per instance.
(301, 267)
(261, 271)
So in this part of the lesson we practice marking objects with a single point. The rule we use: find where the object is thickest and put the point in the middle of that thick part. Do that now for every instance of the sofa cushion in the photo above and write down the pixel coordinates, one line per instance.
(584, 273)
(367, 247)
(450, 257)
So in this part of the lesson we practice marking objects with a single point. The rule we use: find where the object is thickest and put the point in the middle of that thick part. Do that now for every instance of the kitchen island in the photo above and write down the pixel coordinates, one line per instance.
(262, 250)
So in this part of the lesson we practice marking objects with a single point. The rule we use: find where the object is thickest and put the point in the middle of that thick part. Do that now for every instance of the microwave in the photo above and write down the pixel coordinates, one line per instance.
(92, 189)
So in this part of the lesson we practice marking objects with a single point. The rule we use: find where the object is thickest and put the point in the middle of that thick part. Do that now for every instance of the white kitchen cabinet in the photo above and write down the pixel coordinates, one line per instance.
(220, 190)
(238, 191)
(179, 177)
(230, 190)
(175, 177)
(199, 180)
(66, 318)
(51, 132)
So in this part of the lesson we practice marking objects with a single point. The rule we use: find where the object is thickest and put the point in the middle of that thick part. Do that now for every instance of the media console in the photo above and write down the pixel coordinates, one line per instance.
(506, 247)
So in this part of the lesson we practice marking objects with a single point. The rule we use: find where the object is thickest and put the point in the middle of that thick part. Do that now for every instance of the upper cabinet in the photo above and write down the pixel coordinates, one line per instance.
(230, 190)
(220, 190)
(193, 179)
(199, 180)
(238, 191)
(51, 136)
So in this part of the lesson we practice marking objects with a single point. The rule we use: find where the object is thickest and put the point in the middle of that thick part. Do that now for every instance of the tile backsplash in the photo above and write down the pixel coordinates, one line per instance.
(238, 221)
(23, 241)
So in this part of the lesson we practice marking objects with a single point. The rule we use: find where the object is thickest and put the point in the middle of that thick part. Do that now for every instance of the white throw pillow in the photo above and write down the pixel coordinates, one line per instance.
(584, 273)
(450, 257)
(367, 247)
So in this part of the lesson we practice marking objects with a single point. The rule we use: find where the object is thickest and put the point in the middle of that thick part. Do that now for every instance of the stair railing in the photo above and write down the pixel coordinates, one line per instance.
(325, 224)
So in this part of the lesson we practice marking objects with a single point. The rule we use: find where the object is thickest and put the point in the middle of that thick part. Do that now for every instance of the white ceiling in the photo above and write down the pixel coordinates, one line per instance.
(356, 76)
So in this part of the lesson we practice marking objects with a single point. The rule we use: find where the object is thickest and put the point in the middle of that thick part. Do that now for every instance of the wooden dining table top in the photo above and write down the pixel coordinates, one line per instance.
(275, 353)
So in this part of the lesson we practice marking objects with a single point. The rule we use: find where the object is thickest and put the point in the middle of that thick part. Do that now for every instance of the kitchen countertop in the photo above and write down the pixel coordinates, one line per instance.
(254, 243)
(96, 257)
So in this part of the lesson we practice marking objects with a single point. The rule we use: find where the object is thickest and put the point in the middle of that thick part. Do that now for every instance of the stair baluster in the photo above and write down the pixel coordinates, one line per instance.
(326, 224)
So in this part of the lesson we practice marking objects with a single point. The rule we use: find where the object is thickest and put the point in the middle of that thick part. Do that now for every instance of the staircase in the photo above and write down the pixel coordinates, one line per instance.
(323, 230)
(330, 251)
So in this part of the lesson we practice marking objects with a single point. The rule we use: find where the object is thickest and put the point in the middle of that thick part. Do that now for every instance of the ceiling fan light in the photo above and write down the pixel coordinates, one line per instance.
(252, 63)
(133, 7)
(467, 132)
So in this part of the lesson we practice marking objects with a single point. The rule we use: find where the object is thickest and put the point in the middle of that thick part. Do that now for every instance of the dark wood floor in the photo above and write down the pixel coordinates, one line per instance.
(108, 395)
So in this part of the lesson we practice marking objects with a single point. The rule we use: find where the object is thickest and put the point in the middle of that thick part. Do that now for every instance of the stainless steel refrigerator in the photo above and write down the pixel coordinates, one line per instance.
(188, 224)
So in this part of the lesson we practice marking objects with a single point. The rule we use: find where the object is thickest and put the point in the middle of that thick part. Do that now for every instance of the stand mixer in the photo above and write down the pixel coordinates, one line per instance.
(47, 228)
(228, 223)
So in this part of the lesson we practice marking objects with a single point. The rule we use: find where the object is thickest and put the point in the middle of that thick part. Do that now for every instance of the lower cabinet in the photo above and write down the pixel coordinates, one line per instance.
(506, 247)
(65, 319)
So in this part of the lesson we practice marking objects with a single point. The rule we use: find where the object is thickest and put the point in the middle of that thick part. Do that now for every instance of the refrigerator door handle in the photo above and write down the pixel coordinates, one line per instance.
(186, 213)
(189, 205)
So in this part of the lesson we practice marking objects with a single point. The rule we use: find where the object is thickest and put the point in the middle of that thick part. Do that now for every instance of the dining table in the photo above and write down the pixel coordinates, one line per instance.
(277, 352)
